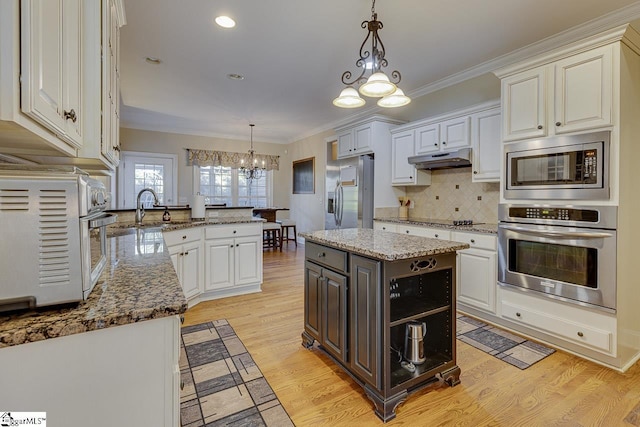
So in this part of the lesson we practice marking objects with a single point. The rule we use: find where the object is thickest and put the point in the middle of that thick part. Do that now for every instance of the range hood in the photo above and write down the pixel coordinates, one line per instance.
(447, 160)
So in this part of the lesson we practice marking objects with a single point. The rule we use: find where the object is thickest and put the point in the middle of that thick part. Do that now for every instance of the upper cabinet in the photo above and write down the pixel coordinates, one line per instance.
(59, 81)
(567, 95)
(477, 127)
(363, 137)
(486, 145)
(51, 64)
(446, 135)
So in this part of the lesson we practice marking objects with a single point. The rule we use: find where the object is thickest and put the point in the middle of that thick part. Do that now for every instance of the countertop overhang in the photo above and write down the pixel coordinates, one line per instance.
(487, 228)
(382, 245)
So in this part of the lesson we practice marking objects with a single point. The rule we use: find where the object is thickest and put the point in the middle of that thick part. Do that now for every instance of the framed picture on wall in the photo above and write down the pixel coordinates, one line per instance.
(304, 181)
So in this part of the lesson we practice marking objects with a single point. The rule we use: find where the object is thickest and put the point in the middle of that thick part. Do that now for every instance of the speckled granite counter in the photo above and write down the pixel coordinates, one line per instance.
(382, 245)
(446, 224)
(138, 283)
(129, 228)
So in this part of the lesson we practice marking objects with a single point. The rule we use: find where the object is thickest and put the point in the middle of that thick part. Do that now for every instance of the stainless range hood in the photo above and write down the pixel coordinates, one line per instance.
(447, 160)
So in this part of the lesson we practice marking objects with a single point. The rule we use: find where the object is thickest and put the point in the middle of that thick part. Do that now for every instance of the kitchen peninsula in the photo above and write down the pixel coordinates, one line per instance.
(364, 290)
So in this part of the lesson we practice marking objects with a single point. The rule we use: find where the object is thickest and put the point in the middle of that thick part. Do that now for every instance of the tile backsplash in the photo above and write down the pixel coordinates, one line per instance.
(452, 195)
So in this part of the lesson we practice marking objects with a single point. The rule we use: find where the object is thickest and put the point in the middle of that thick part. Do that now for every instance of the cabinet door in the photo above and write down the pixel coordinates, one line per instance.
(362, 139)
(427, 139)
(345, 144)
(524, 109)
(334, 314)
(42, 55)
(455, 133)
(191, 268)
(312, 299)
(583, 91)
(477, 279)
(402, 148)
(174, 252)
(219, 263)
(486, 143)
(365, 319)
(72, 35)
(248, 251)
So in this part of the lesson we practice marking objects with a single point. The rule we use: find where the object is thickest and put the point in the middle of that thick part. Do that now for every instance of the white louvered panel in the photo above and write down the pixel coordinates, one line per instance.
(54, 238)
(12, 199)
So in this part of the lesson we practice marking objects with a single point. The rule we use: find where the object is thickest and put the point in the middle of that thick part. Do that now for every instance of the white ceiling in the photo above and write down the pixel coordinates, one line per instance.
(292, 54)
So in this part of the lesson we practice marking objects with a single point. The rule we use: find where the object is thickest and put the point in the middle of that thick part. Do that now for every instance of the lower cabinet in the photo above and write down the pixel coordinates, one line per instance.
(225, 261)
(477, 271)
(187, 260)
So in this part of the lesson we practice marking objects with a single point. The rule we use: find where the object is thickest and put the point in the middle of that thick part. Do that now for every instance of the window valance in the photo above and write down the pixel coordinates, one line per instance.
(230, 159)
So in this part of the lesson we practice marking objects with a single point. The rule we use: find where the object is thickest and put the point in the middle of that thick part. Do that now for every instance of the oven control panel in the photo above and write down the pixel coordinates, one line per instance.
(556, 214)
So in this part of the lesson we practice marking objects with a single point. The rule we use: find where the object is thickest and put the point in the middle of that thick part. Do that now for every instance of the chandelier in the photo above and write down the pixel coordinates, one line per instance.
(378, 85)
(253, 171)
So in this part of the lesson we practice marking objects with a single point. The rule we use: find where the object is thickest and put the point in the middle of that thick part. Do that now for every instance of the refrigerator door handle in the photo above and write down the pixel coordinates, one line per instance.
(339, 200)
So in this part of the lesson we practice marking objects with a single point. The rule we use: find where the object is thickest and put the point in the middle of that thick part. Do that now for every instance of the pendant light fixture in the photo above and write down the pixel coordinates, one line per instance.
(378, 84)
(253, 171)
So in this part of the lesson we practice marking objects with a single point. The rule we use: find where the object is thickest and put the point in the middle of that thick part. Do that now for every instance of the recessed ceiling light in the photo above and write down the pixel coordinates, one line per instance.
(152, 60)
(225, 21)
(233, 76)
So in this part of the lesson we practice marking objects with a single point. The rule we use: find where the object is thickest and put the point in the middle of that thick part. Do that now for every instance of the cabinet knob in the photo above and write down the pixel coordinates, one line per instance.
(384, 228)
(70, 115)
(444, 142)
(475, 172)
(116, 148)
(181, 319)
(237, 244)
(539, 126)
(234, 231)
(518, 315)
(184, 237)
(186, 253)
(436, 236)
(436, 144)
(407, 231)
(410, 177)
(320, 254)
(558, 124)
(580, 334)
(473, 240)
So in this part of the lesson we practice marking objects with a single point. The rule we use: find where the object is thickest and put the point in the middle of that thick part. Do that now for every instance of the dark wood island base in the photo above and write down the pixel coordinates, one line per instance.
(365, 291)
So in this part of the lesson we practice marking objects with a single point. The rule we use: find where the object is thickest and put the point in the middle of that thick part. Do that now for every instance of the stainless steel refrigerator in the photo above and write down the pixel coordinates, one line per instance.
(349, 187)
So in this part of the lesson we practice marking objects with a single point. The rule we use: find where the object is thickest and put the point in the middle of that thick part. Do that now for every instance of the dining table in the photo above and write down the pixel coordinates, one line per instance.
(268, 213)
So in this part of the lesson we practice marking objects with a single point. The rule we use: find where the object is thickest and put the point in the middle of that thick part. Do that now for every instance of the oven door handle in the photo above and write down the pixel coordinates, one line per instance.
(103, 221)
(559, 234)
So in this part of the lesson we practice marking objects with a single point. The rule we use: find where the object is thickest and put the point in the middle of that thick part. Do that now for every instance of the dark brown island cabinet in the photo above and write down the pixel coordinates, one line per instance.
(359, 308)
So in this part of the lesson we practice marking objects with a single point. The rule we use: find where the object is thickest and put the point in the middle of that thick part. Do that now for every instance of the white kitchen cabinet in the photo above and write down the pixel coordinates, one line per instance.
(84, 379)
(477, 269)
(384, 226)
(570, 323)
(51, 66)
(403, 173)
(567, 95)
(185, 248)
(418, 230)
(233, 256)
(446, 135)
(355, 141)
(486, 144)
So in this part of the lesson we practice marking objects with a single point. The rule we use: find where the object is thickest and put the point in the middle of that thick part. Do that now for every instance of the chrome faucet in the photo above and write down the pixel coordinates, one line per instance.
(140, 209)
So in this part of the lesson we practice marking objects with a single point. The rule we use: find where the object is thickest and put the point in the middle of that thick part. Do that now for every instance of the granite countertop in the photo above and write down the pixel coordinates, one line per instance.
(138, 283)
(119, 229)
(486, 228)
(382, 245)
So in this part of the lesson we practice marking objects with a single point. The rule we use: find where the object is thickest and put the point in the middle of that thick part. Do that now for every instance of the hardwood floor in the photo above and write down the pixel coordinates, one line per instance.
(560, 390)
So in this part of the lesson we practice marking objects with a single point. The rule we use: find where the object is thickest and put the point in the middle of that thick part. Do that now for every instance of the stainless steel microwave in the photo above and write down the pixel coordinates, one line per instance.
(574, 167)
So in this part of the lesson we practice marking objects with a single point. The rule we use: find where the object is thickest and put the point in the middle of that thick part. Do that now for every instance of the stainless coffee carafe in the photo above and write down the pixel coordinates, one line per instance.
(414, 342)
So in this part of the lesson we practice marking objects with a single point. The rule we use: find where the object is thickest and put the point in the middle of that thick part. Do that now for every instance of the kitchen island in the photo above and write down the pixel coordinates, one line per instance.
(364, 290)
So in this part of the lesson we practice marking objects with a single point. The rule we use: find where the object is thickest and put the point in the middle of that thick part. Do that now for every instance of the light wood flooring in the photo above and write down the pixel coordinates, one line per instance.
(561, 390)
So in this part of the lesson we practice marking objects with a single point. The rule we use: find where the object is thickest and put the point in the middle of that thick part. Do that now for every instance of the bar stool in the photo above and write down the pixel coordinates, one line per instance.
(271, 235)
(286, 224)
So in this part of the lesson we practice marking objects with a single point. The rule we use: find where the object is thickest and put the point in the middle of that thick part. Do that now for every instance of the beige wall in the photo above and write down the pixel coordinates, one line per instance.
(171, 143)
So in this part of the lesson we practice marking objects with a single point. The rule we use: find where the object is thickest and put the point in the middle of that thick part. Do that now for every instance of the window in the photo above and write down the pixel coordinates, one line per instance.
(226, 185)
(139, 170)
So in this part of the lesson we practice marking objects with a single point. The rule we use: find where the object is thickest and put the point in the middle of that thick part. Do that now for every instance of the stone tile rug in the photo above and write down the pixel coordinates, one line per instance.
(221, 384)
(506, 346)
